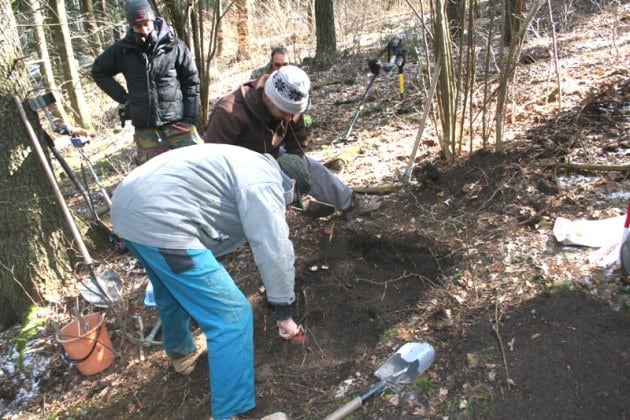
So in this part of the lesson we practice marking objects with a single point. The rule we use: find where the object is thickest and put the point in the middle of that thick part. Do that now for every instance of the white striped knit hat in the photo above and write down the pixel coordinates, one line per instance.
(288, 89)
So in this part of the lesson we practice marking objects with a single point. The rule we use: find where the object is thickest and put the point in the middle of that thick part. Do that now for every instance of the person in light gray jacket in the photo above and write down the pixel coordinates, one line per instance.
(177, 214)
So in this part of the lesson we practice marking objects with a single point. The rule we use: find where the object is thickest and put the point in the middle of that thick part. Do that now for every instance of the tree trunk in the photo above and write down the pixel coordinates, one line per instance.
(94, 41)
(325, 31)
(455, 13)
(508, 63)
(197, 28)
(513, 19)
(106, 27)
(311, 15)
(32, 245)
(214, 45)
(446, 92)
(218, 28)
(71, 73)
(242, 28)
(48, 79)
(177, 17)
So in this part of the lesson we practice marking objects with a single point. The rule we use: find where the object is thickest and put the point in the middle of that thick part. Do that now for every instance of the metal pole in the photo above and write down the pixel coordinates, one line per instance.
(427, 107)
(344, 138)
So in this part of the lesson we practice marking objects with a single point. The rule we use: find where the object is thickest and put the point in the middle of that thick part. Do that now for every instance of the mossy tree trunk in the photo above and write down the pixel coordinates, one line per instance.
(33, 254)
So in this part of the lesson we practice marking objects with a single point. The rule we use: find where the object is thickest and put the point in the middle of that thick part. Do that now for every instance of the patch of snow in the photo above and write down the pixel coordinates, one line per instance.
(20, 381)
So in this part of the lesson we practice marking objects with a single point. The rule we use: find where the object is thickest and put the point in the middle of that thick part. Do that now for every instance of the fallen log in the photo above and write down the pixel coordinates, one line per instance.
(378, 189)
(592, 167)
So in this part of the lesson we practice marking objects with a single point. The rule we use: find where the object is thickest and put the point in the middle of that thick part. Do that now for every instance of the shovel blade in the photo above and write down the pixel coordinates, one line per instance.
(409, 362)
(101, 290)
(317, 209)
(404, 366)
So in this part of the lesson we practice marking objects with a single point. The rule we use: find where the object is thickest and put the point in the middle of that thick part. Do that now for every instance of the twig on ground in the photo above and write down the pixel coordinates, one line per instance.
(186, 390)
(310, 333)
(403, 276)
(495, 327)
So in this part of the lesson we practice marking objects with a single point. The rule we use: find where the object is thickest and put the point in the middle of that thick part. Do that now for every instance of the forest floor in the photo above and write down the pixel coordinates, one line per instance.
(463, 257)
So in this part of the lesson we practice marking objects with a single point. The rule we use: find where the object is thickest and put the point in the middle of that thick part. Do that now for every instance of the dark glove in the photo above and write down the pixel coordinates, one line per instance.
(283, 312)
(123, 113)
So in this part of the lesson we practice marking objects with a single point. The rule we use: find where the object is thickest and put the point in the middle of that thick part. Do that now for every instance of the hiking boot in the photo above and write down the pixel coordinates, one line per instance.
(362, 204)
(185, 365)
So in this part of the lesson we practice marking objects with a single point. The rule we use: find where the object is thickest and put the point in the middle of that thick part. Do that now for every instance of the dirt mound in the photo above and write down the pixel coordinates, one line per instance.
(566, 353)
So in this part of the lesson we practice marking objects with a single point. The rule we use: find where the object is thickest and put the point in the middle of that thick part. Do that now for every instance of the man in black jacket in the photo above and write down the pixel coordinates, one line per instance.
(162, 96)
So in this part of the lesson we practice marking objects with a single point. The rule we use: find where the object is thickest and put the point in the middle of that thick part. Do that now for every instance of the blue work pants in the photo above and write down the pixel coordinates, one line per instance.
(192, 283)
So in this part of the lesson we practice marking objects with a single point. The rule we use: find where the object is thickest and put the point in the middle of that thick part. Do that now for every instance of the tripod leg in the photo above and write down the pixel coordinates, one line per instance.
(96, 179)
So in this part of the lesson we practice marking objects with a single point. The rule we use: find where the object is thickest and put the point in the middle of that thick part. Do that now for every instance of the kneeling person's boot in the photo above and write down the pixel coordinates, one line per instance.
(362, 205)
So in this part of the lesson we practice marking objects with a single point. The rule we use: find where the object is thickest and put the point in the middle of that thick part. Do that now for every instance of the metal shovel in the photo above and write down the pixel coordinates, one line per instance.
(409, 362)
(101, 290)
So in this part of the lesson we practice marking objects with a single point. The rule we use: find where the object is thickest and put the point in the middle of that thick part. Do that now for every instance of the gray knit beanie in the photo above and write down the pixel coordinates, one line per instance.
(138, 11)
(295, 168)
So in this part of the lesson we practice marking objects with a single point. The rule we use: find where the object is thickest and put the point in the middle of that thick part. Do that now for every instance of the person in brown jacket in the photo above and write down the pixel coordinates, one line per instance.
(265, 115)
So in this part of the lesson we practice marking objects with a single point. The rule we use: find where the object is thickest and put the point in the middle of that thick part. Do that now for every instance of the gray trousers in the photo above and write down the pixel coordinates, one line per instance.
(326, 186)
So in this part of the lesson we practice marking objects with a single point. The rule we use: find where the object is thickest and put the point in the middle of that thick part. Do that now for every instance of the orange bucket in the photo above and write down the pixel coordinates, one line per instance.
(90, 350)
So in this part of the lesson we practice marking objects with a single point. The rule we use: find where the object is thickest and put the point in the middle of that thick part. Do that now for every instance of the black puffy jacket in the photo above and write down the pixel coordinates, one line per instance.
(162, 85)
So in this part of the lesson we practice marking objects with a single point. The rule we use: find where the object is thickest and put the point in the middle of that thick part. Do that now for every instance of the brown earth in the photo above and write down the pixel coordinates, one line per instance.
(463, 257)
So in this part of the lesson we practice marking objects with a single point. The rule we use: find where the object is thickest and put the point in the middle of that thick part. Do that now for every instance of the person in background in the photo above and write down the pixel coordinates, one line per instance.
(162, 96)
(279, 58)
(181, 211)
(265, 115)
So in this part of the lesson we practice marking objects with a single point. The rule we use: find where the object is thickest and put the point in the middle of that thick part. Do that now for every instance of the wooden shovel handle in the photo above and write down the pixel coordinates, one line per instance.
(342, 412)
(357, 402)
(51, 178)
